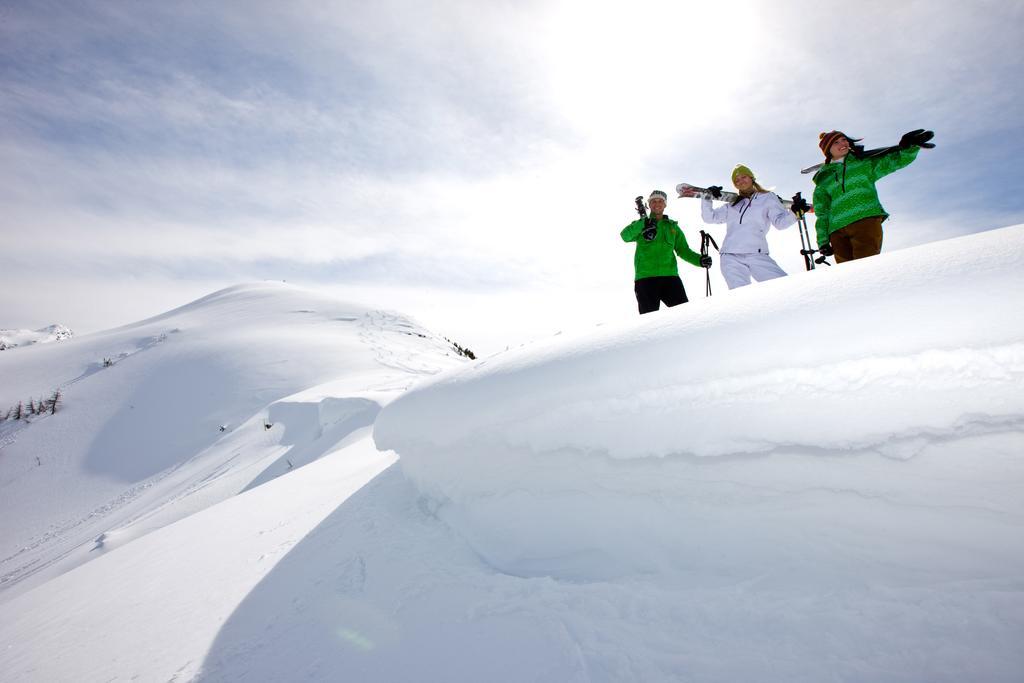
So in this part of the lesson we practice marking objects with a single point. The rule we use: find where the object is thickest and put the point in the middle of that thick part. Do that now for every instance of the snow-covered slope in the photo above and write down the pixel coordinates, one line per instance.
(812, 479)
(583, 457)
(164, 417)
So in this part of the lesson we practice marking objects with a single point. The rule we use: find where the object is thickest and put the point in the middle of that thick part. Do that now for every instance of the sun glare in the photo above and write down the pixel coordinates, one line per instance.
(652, 66)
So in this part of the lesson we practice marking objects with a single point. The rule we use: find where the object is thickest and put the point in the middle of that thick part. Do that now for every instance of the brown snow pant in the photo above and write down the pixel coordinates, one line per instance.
(858, 239)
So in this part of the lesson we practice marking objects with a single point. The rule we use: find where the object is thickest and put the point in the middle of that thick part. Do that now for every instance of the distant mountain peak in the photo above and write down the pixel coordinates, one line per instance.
(10, 339)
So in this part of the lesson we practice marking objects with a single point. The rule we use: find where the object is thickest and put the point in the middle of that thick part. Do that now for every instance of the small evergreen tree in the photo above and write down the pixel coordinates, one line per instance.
(461, 350)
(18, 410)
(53, 402)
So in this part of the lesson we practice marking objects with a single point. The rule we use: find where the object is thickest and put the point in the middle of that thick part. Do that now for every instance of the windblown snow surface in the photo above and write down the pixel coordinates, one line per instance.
(816, 478)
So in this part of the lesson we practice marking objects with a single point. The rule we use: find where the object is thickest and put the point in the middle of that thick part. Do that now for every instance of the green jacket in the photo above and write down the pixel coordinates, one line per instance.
(845, 191)
(658, 257)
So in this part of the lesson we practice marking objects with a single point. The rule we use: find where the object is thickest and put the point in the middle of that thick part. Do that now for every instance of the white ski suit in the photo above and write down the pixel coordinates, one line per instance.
(745, 249)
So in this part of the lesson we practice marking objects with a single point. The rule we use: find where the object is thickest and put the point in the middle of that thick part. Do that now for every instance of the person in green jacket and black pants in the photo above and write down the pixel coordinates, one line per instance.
(849, 215)
(658, 240)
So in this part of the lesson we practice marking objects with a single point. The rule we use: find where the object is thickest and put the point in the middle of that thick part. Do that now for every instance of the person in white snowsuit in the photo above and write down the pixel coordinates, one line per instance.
(747, 220)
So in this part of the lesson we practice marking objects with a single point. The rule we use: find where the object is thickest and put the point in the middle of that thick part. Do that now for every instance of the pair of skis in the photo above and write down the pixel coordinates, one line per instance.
(807, 247)
(687, 190)
(858, 152)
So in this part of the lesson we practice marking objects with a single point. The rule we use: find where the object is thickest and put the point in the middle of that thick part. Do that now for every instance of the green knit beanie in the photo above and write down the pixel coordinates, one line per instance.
(742, 170)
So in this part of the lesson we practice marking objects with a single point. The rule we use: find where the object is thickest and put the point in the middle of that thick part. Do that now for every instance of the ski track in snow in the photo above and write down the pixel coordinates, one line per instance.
(9, 432)
(382, 331)
(142, 344)
(62, 530)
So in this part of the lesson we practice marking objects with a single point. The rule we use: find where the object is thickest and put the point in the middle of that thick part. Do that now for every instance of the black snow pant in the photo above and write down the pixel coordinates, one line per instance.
(651, 291)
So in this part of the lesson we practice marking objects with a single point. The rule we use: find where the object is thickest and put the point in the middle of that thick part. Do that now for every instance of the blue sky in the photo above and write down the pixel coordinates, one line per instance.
(468, 163)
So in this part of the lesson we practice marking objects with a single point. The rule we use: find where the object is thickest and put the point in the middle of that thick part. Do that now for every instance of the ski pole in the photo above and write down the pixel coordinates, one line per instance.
(807, 253)
(805, 248)
(704, 240)
(806, 245)
(805, 238)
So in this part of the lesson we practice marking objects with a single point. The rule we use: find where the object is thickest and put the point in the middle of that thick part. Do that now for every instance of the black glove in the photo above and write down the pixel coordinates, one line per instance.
(825, 250)
(715, 191)
(799, 205)
(650, 230)
(919, 137)
(705, 261)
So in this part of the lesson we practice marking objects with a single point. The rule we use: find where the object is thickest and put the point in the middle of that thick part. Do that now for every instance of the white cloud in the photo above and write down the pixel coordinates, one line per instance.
(435, 146)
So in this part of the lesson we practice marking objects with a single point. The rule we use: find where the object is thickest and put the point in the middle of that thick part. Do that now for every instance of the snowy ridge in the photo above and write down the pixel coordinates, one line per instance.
(167, 416)
(881, 361)
(888, 324)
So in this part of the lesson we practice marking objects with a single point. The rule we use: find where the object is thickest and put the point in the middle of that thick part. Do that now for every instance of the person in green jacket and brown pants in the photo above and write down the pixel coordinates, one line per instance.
(849, 215)
(658, 241)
